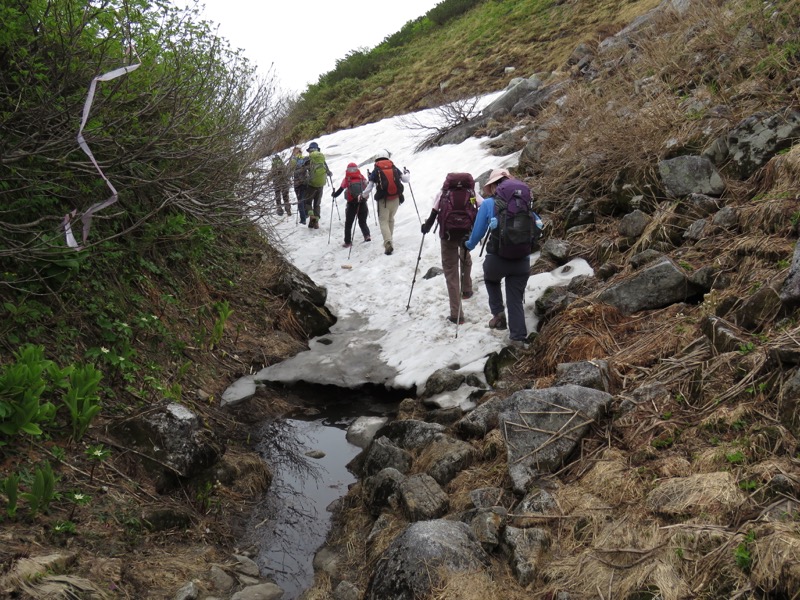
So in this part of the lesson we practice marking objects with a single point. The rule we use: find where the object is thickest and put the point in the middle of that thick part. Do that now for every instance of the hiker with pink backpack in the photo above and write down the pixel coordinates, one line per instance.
(507, 215)
(454, 210)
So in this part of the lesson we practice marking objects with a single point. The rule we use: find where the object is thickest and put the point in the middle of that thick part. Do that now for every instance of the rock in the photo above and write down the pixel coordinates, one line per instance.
(410, 434)
(190, 591)
(587, 373)
(261, 591)
(380, 490)
(447, 457)
(173, 437)
(382, 454)
(246, 566)
(533, 450)
(411, 565)
(758, 138)
(363, 429)
(656, 286)
(686, 175)
(422, 498)
(443, 380)
(633, 224)
(525, 548)
(220, 579)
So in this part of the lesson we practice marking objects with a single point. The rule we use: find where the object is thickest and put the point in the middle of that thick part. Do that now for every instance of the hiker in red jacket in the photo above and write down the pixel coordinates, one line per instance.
(353, 184)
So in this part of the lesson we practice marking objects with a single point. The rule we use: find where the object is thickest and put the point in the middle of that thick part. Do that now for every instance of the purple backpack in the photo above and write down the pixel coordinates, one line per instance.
(515, 225)
(457, 206)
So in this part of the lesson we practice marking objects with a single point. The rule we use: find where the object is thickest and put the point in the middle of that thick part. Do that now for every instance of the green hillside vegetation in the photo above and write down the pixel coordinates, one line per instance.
(460, 48)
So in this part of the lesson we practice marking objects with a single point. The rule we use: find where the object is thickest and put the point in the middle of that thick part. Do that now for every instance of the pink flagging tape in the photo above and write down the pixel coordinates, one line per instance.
(86, 218)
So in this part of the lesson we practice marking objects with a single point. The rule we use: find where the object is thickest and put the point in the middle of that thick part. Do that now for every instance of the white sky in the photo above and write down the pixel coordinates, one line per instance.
(305, 39)
(370, 298)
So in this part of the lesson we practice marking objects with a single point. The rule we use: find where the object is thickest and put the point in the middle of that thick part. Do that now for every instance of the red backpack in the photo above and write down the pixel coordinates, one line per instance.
(388, 180)
(457, 206)
(354, 183)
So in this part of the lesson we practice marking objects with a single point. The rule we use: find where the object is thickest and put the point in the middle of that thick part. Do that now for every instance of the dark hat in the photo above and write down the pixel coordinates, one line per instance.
(312, 146)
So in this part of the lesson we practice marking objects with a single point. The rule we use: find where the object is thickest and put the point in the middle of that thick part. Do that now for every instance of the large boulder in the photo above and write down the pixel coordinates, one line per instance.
(413, 563)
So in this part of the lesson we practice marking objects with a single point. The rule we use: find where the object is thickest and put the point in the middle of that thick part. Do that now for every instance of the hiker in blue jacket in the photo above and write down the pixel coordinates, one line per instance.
(496, 268)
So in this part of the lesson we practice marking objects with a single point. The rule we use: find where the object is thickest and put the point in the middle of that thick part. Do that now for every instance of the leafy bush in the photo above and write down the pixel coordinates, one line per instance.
(447, 10)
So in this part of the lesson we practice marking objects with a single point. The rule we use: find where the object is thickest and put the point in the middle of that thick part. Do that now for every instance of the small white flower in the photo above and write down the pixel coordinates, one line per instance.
(104, 350)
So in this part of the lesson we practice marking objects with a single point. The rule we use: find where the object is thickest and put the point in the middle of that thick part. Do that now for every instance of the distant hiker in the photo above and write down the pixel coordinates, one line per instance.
(507, 213)
(298, 165)
(318, 173)
(455, 208)
(353, 185)
(387, 180)
(280, 184)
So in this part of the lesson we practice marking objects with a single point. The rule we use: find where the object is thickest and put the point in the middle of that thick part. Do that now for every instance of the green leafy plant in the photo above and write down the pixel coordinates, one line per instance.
(10, 487)
(735, 458)
(81, 398)
(64, 527)
(22, 384)
(224, 311)
(42, 489)
(746, 348)
(77, 499)
(742, 554)
(748, 485)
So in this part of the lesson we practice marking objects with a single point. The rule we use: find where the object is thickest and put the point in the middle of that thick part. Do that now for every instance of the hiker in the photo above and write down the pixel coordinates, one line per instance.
(454, 209)
(280, 184)
(387, 180)
(353, 184)
(318, 172)
(504, 260)
(298, 164)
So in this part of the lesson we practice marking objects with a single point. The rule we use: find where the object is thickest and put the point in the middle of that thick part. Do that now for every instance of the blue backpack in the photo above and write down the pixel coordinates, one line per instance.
(516, 226)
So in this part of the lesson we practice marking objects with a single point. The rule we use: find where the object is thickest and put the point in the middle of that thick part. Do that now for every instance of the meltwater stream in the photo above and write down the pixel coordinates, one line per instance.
(308, 456)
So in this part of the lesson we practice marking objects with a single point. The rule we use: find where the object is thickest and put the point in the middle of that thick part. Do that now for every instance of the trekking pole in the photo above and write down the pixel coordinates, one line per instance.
(334, 201)
(414, 199)
(485, 239)
(330, 227)
(414, 279)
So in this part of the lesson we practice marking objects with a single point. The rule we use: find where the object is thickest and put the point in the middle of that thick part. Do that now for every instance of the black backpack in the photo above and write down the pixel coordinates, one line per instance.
(516, 228)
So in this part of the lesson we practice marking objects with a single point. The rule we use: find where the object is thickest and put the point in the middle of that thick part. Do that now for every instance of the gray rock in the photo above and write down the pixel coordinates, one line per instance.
(656, 286)
(173, 437)
(190, 591)
(525, 548)
(448, 457)
(727, 218)
(542, 428)
(346, 591)
(556, 250)
(261, 591)
(409, 567)
(586, 373)
(220, 579)
(695, 231)
(362, 431)
(790, 290)
(422, 498)
(410, 434)
(633, 224)
(382, 454)
(246, 566)
(443, 380)
(758, 138)
(242, 389)
(380, 490)
(685, 175)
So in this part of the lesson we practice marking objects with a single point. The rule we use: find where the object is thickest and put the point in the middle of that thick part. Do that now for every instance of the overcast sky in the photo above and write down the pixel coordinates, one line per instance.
(305, 39)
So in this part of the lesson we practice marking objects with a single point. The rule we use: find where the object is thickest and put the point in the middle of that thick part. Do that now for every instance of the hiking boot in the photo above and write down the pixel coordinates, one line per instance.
(519, 344)
(280, 212)
(467, 295)
(311, 223)
(367, 239)
(498, 321)
(389, 248)
(455, 319)
(316, 223)
(289, 212)
(346, 245)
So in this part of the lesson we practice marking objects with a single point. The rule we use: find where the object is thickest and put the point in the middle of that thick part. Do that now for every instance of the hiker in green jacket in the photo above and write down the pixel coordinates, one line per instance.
(318, 175)
(280, 184)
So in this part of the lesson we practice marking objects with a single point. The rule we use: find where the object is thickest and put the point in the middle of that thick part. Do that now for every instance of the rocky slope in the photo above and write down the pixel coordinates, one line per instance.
(645, 446)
